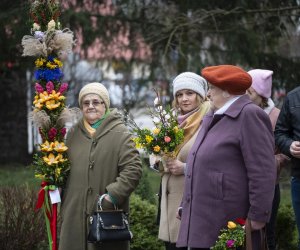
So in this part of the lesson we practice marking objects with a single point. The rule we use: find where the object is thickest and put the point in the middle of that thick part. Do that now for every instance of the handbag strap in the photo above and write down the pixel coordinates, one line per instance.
(263, 242)
(248, 230)
(263, 239)
(99, 203)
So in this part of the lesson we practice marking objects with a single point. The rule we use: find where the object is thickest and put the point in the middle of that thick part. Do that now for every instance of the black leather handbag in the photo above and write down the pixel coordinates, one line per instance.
(108, 225)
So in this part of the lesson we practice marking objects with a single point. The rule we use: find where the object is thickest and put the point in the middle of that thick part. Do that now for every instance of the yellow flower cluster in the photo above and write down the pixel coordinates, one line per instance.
(53, 146)
(137, 143)
(51, 158)
(42, 62)
(51, 101)
(149, 138)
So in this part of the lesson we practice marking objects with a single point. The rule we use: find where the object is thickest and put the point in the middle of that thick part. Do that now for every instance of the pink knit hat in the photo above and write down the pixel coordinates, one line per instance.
(262, 81)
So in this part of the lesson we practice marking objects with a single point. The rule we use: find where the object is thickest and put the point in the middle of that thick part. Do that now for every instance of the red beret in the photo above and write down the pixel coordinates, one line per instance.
(228, 77)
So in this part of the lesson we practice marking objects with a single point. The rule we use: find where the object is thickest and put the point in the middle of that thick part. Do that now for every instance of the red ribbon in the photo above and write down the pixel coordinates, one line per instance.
(53, 226)
(50, 211)
(41, 196)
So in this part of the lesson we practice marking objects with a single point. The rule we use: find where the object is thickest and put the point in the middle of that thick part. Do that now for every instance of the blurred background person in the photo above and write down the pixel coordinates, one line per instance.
(103, 161)
(228, 175)
(190, 91)
(287, 138)
(260, 93)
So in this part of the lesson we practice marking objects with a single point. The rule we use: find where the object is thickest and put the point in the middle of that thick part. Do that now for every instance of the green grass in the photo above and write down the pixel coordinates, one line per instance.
(285, 187)
(17, 175)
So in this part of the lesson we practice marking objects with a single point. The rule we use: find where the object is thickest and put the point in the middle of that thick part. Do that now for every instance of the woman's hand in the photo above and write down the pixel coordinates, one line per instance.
(179, 213)
(295, 149)
(175, 166)
(257, 225)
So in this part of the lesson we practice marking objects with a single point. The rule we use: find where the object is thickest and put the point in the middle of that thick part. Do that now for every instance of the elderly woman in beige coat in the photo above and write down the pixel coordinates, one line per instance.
(189, 91)
(103, 161)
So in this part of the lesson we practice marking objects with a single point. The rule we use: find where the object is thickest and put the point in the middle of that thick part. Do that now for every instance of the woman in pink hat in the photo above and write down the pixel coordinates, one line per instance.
(260, 93)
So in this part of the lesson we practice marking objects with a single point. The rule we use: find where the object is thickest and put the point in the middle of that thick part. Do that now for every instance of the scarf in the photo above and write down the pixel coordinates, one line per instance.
(91, 128)
(271, 105)
(191, 121)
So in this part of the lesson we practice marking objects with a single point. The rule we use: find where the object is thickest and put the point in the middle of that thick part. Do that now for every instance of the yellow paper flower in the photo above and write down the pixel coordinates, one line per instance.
(58, 62)
(231, 225)
(56, 96)
(57, 172)
(61, 158)
(175, 129)
(156, 148)
(156, 131)
(47, 147)
(39, 62)
(51, 65)
(39, 105)
(149, 138)
(52, 104)
(44, 97)
(51, 159)
(60, 147)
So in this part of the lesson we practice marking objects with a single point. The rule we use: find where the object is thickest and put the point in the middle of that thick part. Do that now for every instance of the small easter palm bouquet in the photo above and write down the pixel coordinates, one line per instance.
(231, 238)
(163, 139)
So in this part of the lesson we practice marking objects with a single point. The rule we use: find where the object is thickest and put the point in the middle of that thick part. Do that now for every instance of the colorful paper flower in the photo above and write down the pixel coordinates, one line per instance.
(167, 139)
(232, 237)
(39, 88)
(63, 88)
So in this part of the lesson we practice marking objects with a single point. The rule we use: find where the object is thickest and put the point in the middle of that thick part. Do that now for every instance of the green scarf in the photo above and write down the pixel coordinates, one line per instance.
(99, 122)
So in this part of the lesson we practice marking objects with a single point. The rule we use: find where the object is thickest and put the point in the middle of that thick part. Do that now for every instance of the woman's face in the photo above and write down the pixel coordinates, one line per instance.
(256, 98)
(187, 100)
(93, 108)
(217, 97)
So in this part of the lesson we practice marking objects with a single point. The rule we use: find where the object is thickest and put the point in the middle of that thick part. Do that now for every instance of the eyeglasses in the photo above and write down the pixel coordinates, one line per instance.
(94, 103)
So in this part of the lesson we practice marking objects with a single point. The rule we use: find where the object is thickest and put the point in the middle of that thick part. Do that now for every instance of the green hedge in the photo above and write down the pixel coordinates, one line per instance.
(286, 233)
(143, 225)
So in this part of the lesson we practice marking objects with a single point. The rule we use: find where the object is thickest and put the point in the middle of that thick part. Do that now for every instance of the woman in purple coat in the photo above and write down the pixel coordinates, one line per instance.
(230, 169)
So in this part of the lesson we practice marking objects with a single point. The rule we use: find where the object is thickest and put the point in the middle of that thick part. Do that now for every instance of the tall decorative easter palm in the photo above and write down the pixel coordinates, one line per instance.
(48, 43)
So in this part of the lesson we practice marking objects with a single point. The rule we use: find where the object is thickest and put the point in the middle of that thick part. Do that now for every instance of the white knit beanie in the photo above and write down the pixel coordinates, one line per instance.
(192, 81)
(95, 88)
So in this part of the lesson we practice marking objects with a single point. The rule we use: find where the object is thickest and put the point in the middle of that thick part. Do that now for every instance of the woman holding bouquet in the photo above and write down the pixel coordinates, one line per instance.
(103, 161)
(189, 90)
(231, 167)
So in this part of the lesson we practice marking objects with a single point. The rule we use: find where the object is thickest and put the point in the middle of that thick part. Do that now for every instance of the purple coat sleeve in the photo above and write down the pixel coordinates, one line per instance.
(257, 147)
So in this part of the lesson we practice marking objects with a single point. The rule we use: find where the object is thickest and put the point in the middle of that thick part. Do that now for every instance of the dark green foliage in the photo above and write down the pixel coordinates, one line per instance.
(20, 226)
(144, 190)
(286, 70)
(143, 225)
(285, 229)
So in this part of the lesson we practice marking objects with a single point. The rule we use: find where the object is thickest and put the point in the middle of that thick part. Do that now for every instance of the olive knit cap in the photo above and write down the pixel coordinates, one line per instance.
(95, 88)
